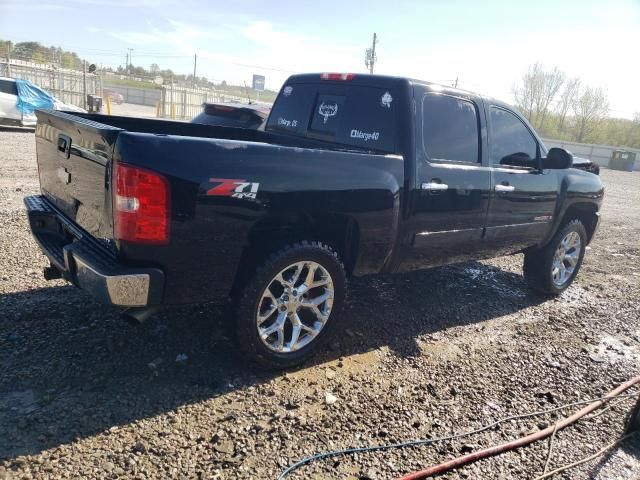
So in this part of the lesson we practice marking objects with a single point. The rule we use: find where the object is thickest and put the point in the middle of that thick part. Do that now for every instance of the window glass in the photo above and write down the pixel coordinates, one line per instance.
(450, 128)
(327, 114)
(343, 114)
(511, 142)
(292, 108)
(7, 86)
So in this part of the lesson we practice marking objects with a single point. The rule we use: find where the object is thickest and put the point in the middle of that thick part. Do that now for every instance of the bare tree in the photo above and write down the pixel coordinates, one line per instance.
(538, 90)
(632, 133)
(567, 100)
(589, 109)
(526, 93)
(551, 85)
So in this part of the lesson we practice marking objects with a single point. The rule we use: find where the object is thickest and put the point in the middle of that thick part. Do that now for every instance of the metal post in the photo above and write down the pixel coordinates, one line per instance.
(84, 84)
(195, 60)
(173, 108)
(8, 60)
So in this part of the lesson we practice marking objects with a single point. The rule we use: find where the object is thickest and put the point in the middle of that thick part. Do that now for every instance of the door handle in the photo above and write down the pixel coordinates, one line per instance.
(504, 188)
(434, 186)
(64, 145)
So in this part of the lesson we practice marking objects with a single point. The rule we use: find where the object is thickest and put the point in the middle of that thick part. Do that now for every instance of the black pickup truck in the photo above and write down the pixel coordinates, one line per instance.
(352, 175)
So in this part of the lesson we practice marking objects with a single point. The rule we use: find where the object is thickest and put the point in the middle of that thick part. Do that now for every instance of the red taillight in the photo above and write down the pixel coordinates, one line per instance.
(140, 206)
(337, 76)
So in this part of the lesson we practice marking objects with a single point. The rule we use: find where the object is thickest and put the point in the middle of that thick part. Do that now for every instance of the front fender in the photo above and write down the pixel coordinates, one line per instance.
(580, 191)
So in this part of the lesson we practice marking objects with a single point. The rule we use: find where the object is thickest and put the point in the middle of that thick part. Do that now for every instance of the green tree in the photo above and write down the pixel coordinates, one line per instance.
(38, 57)
(6, 46)
(67, 60)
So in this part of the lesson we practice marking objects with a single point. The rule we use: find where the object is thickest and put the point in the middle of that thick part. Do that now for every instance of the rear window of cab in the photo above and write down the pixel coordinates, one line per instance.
(344, 114)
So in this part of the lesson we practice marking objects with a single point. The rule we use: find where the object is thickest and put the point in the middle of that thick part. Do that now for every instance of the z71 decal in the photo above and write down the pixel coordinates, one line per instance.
(229, 187)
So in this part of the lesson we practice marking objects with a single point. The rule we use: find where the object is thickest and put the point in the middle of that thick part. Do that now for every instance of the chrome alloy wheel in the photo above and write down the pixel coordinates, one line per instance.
(566, 258)
(295, 307)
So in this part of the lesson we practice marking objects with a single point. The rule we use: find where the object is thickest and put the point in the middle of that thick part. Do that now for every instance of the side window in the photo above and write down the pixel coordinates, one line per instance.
(510, 141)
(450, 128)
(7, 86)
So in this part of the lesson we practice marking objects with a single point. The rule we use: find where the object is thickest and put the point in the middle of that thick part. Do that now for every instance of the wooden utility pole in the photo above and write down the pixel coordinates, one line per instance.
(130, 65)
(373, 51)
(195, 61)
(370, 55)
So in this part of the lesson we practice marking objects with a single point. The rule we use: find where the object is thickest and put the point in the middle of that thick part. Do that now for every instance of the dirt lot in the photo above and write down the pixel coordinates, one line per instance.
(84, 395)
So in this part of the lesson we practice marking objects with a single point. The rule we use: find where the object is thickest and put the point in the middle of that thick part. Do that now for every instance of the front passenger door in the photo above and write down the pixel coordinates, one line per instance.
(523, 198)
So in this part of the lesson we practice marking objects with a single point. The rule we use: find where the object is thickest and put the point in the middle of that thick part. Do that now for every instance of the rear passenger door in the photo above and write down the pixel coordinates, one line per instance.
(450, 200)
(524, 197)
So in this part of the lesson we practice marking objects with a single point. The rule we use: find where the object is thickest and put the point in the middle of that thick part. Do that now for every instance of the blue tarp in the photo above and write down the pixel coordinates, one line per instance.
(31, 97)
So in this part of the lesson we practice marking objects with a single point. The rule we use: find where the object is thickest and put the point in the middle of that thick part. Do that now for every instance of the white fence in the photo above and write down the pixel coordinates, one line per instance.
(66, 85)
(173, 101)
(601, 154)
(138, 96)
(185, 103)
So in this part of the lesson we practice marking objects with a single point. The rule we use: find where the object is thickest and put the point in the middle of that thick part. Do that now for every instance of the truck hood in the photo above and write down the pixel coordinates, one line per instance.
(586, 164)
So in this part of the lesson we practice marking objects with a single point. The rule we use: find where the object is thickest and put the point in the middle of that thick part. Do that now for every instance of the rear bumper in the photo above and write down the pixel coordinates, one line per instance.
(85, 262)
(13, 122)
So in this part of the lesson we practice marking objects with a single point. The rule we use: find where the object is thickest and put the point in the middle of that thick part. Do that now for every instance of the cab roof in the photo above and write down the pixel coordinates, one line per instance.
(389, 81)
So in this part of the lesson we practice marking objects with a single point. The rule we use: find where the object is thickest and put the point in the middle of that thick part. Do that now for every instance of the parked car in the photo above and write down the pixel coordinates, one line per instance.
(242, 115)
(115, 97)
(12, 115)
(352, 175)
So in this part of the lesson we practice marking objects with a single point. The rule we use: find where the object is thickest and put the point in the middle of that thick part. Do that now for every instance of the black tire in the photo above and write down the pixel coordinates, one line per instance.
(538, 263)
(249, 298)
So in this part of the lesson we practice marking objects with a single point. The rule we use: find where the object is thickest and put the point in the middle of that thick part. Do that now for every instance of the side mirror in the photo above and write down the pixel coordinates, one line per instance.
(557, 159)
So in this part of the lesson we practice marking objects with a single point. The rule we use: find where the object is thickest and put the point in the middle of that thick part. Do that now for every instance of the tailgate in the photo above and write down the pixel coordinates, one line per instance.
(74, 165)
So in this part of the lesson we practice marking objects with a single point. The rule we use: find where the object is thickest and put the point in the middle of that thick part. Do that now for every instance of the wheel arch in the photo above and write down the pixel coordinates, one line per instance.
(586, 212)
(272, 232)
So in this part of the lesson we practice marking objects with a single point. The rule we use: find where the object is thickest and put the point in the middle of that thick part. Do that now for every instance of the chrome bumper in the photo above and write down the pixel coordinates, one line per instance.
(83, 261)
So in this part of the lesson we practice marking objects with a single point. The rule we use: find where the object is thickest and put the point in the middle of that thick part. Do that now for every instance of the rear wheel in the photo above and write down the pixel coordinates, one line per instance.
(288, 308)
(553, 268)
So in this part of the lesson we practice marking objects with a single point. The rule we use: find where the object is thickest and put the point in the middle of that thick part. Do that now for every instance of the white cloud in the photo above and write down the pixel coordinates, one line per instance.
(178, 36)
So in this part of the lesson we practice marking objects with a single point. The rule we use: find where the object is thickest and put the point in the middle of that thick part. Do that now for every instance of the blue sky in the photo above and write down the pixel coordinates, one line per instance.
(487, 45)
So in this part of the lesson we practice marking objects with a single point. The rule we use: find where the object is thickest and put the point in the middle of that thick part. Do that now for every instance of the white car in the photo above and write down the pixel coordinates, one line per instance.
(12, 116)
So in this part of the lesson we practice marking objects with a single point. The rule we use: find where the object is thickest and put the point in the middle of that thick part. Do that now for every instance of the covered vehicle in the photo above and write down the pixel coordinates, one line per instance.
(20, 98)
(241, 115)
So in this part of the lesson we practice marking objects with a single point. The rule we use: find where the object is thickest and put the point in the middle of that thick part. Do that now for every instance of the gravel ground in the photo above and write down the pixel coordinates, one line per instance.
(85, 395)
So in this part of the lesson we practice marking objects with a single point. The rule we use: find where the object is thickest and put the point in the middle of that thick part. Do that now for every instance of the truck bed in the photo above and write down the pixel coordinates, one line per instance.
(296, 179)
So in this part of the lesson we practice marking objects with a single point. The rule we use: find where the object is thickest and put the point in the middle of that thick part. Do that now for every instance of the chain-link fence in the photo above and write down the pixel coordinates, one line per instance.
(66, 85)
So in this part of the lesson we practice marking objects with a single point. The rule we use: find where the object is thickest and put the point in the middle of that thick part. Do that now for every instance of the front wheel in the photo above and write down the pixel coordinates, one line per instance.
(288, 308)
(553, 268)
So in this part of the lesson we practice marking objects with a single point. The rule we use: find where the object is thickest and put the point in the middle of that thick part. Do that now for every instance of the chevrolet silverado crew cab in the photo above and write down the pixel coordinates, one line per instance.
(352, 175)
